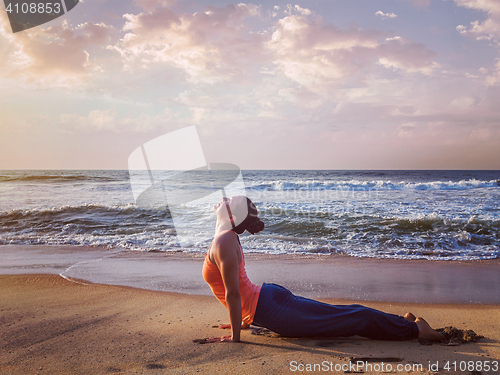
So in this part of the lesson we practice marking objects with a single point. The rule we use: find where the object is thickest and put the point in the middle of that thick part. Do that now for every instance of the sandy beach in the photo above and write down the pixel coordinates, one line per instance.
(50, 325)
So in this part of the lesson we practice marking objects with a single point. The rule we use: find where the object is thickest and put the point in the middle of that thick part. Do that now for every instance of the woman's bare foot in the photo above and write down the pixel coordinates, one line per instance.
(409, 316)
(425, 332)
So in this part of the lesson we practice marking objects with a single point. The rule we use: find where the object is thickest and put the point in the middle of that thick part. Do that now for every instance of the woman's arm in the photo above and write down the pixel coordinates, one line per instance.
(227, 259)
(228, 326)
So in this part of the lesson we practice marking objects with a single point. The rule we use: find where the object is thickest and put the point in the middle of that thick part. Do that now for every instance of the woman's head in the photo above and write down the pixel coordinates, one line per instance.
(252, 224)
(244, 215)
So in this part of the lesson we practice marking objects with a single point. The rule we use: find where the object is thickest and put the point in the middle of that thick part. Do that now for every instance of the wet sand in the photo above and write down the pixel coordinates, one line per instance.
(50, 325)
(314, 276)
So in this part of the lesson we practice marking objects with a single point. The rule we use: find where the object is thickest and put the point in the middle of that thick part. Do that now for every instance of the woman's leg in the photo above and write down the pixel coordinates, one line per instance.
(289, 315)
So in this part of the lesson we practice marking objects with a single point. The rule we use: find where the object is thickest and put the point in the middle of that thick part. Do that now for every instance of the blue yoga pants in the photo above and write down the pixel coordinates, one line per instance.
(292, 316)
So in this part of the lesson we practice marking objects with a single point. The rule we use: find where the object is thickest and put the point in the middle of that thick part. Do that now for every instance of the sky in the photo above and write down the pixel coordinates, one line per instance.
(327, 84)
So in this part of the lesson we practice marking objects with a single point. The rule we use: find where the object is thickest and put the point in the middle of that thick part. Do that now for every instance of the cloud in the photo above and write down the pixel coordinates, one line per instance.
(401, 53)
(110, 121)
(314, 55)
(320, 56)
(493, 79)
(11, 56)
(289, 9)
(150, 5)
(62, 49)
(489, 29)
(56, 55)
(222, 45)
(385, 16)
(209, 46)
(96, 120)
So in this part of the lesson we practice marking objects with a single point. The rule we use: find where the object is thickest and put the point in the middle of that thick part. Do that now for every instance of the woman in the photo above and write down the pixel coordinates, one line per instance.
(274, 307)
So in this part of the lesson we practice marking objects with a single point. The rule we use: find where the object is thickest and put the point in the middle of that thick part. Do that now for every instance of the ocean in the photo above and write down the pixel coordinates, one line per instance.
(434, 215)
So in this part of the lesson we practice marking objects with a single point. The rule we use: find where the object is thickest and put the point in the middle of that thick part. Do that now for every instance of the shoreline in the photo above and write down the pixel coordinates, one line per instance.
(314, 276)
(52, 326)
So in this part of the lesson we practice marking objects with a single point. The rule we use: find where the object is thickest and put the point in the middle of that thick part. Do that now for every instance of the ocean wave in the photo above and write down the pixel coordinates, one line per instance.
(127, 226)
(322, 222)
(83, 219)
(56, 178)
(423, 236)
(375, 185)
(83, 208)
(291, 227)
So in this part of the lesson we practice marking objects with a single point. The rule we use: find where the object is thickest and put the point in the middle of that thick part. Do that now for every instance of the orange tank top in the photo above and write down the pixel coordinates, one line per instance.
(249, 292)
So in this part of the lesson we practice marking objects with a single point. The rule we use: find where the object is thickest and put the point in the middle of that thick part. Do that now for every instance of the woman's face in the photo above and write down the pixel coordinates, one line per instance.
(237, 205)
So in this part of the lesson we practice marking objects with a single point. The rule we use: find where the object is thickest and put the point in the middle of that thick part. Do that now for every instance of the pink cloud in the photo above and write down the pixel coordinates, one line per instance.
(150, 5)
(59, 48)
(221, 20)
(320, 56)
(42, 52)
(110, 121)
(405, 54)
(146, 23)
(209, 46)
(219, 44)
